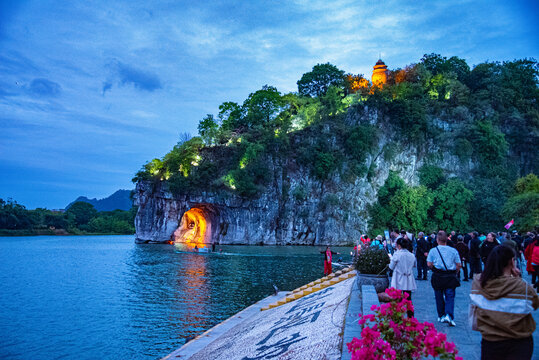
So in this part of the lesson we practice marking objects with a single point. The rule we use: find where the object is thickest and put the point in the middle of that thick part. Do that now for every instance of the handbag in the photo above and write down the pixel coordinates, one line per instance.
(472, 317)
(444, 279)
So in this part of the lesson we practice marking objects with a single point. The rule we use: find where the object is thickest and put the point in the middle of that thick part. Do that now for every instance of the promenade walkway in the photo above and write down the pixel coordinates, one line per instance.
(468, 342)
(316, 326)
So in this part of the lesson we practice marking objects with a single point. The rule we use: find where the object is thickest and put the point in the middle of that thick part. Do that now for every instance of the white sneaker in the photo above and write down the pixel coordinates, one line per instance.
(445, 319)
(452, 323)
(440, 319)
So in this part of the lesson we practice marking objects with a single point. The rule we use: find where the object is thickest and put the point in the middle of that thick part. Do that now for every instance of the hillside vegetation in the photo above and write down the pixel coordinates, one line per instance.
(486, 116)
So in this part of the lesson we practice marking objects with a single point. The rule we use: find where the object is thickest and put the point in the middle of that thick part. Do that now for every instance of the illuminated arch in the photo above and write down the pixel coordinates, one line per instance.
(198, 227)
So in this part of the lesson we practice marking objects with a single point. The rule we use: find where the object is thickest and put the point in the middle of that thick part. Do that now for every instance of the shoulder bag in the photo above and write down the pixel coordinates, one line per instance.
(444, 279)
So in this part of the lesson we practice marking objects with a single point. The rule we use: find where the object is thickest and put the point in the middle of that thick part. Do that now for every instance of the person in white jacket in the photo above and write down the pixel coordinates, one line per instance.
(402, 264)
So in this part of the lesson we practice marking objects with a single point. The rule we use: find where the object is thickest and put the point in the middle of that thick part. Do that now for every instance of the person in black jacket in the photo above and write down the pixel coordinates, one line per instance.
(422, 250)
(464, 255)
(487, 246)
(474, 255)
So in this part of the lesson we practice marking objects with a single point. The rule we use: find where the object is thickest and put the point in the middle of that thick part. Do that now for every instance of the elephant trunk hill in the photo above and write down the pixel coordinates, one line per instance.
(439, 145)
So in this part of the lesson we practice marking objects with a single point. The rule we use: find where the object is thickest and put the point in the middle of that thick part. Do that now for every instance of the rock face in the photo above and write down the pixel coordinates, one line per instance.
(295, 208)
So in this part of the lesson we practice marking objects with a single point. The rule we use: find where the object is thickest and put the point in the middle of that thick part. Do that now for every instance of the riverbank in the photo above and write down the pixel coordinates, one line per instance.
(50, 232)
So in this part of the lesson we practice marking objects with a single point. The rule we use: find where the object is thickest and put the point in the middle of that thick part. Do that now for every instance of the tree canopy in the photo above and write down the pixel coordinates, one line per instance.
(316, 82)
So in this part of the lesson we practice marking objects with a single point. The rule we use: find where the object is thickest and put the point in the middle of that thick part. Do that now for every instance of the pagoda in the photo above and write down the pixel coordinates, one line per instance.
(379, 74)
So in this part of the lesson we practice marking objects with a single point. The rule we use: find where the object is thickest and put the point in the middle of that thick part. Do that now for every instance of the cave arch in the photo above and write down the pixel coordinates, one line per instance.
(197, 226)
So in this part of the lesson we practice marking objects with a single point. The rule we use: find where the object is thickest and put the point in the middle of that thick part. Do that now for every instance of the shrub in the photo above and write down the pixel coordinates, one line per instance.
(372, 261)
(388, 334)
(300, 193)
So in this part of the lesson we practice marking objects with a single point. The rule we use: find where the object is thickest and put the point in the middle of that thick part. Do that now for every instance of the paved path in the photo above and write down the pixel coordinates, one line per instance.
(468, 342)
(308, 328)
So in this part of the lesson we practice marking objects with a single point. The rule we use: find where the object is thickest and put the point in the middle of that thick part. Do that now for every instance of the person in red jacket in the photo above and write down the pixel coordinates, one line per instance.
(535, 261)
(327, 260)
(528, 256)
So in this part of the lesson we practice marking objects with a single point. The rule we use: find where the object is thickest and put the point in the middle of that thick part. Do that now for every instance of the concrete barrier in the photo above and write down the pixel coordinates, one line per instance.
(360, 302)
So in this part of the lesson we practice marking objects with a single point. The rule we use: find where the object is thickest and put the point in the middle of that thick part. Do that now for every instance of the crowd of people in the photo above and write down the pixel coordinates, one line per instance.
(501, 300)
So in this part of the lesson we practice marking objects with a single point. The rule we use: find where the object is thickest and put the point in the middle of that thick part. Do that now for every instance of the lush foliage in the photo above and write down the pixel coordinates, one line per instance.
(318, 81)
(337, 128)
(81, 217)
(372, 260)
(438, 203)
(390, 334)
(523, 205)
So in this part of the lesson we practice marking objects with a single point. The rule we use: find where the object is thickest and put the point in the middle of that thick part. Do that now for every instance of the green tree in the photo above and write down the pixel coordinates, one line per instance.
(316, 82)
(262, 106)
(82, 212)
(14, 216)
(523, 204)
(409, 207)
(208, 129)
(489, 142)
(360, 141)
(451, 207)
(324, 165)
(431, 176)
(230, 115)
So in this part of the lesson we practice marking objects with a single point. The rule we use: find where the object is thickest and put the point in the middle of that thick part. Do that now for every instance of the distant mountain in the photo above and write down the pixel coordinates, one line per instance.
(119, 200)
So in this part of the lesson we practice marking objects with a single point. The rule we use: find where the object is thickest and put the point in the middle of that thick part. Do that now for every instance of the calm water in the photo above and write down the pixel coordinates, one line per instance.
(104, 297)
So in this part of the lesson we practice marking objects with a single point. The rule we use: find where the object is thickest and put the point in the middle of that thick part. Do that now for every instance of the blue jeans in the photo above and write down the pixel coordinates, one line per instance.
(445, 307)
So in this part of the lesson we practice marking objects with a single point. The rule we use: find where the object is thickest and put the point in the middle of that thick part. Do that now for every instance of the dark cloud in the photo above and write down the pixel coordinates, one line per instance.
(138, 78)
(128, 75)
(45, 88)
(107, 85)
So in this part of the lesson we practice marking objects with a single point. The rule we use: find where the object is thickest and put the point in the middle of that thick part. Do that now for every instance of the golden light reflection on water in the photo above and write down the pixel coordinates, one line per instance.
(193, 290)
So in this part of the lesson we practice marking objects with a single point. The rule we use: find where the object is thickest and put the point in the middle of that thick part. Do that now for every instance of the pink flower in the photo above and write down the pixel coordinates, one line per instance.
(390, 334)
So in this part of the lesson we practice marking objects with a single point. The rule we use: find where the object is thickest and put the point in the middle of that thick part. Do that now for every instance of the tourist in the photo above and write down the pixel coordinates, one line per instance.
(487, 246)
(535, 261)
(377, 242)
(529, 262)
(520, 249)
(475, 254)
(529, 239)
(511, 243)
(506, 330)
(391, 242)
(445, 263)
(327, 260)
(432, 240)
(464, 254)
(452, 239)
(421, 252)
(402, 263)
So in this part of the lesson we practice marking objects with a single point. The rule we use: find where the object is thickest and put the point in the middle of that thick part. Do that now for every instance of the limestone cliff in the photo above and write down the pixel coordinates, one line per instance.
(296, 208)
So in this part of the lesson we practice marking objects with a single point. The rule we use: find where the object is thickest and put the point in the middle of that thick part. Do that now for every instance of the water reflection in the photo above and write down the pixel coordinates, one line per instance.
(193, 292)
(108, 298)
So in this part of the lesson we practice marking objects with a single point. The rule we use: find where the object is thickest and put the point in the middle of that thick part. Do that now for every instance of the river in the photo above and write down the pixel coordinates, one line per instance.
(105, 297)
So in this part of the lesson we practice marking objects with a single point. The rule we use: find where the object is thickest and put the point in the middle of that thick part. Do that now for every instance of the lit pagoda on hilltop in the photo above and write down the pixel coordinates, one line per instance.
(379, 74)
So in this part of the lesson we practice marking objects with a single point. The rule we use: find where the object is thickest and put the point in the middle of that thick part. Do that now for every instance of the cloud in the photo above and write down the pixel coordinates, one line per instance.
(140, 79)
(107, 85)
(44, 88)
(129, 75)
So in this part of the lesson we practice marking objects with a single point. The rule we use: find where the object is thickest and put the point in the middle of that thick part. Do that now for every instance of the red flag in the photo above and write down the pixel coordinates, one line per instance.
(509, 224)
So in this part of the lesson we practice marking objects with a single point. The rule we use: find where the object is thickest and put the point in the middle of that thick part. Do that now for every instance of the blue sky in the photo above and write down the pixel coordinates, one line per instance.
(91, 90)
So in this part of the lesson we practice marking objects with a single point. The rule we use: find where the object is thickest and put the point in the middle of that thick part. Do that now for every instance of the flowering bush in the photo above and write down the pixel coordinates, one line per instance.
(389, 334)
(371, 260)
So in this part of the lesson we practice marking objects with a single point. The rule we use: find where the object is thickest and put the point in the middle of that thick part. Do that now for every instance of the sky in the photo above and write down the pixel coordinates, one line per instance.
(92, 90)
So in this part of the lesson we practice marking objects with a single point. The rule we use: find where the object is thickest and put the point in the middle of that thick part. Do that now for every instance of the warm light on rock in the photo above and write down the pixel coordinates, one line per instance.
(192, 229)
